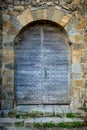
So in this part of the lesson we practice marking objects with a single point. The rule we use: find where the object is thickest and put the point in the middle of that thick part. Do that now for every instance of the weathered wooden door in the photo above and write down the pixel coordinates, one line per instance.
(42, 59)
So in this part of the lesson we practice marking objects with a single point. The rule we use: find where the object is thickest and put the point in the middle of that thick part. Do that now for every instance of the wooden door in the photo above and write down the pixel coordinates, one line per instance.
(42, 63)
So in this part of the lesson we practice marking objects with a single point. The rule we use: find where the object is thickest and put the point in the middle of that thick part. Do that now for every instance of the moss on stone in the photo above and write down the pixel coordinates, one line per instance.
(85, 109)
(35, 114)
(58, 115)
(37, 125)
(70, 124)
(11, 113)
(17, 115)
(19, 123)
(49, 125)
(73, 115)
(61, 125)
(22, 115)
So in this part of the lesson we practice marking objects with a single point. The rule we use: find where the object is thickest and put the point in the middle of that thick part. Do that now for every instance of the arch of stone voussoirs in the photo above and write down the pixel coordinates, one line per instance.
(56, 16)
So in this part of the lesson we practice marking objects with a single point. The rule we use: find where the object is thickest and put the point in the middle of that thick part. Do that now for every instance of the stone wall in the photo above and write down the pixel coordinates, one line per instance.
(1, 53)
(85, 40)
(71, 15)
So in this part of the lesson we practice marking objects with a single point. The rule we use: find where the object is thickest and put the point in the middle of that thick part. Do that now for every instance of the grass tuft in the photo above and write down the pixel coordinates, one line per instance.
(37, 125)
(18, 116)
(73, 115)
(61, 125)
(49, 125)
(85, 110)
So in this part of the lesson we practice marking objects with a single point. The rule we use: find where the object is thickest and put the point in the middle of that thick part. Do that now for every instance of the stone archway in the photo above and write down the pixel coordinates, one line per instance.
(14, 22)
(42, 64)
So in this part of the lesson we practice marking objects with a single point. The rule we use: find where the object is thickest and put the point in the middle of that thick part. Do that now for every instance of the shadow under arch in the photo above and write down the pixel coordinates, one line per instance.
(17, 42)
(42, 22)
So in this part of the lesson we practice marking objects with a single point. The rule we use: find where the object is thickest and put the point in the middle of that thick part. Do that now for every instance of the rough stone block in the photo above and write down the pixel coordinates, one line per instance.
(0, 61)
(1, 51)
(21, 19)
(76, 59)
(36, 108)
(4, 113)
(85, 56)
(1, 43)
(16, 2)
(78, 52)
(19, 8)
(57, 16)
(57, 109)
(72, 119)
(86, 76)
(25, 18)
(81, 25)
(78, 39)
(71, 27)
(79, 82)
(43, 120)
(85, 69)
(8, 80)
(29, 122)
(57, 120)
(76, 68)
(65, 109)
(76, 76)
(12, 31)
(8, 73)
(8, 59)
(50, 13)
(9, 52)
(9, 44)
(49, 3)
(57, 7)
(77, 46)
(76, 1)
(15, 22)
(64, 20)
(7, 104)
(0, 104)
(10, 1)
(6, 24)
(8, 38)
(19, 123)
(6, 17)
(9, 66)
(77, 55)
(10, 94)
(10, 7)
(39, 14)
(48, 110)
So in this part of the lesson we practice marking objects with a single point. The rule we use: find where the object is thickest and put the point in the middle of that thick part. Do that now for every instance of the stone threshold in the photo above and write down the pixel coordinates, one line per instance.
(47, 109)
(44, 111)
(26, 111)
(30, 121)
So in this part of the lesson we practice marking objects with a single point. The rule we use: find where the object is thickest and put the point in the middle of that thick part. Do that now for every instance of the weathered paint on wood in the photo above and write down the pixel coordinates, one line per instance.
(42, 66)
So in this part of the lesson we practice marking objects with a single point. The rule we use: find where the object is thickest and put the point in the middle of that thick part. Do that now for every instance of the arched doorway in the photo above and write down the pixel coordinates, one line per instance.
(42, 65)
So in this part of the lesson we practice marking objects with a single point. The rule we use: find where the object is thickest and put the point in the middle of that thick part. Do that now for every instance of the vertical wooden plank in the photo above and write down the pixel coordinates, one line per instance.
(28, 67)
(56, 67)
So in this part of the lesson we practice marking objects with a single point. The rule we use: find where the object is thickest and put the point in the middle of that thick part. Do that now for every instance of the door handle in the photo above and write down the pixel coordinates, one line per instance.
(45, 73)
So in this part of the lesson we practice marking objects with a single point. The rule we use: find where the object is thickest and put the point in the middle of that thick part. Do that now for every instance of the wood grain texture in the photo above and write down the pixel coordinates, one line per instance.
(42, 74)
